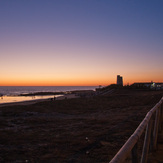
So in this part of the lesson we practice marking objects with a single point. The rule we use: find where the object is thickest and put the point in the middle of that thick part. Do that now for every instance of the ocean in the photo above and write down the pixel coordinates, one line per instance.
(17, 90)
(10, 93)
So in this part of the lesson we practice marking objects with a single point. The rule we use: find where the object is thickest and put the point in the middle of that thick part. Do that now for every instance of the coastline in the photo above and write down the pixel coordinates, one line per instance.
(41, 95)
(30, 90)
(30, 102)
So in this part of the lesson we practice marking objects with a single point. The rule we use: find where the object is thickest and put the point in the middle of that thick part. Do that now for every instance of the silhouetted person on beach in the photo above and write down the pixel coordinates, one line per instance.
(1, 95)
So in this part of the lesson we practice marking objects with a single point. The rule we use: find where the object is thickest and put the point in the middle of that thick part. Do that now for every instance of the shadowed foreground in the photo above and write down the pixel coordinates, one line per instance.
(72, 130)
(157, 156)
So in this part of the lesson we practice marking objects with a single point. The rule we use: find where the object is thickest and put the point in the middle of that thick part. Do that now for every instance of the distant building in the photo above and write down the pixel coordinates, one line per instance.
(119, 80)
(148, 85)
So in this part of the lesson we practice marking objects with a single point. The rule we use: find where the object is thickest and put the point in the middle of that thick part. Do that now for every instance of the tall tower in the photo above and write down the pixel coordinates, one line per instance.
(119, 80)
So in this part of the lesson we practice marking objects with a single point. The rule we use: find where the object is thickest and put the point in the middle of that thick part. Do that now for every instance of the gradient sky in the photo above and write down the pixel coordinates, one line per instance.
(80, 42)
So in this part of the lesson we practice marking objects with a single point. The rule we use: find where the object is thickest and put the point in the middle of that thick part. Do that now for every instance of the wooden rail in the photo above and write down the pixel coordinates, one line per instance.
(151, 125)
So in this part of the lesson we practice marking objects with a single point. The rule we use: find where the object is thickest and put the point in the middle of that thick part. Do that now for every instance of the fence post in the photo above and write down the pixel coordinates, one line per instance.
(152, 128)
(160, 124)
(161, 115)
(135, 153)
(155, 132)
(144, 156)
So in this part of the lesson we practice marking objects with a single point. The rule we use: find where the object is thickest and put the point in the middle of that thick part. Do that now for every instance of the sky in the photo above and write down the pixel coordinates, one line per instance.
(80, 42)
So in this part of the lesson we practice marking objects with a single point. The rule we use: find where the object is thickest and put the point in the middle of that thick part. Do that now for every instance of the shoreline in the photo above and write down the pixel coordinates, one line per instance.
(44, 96)
(41, 90)
(30, 102)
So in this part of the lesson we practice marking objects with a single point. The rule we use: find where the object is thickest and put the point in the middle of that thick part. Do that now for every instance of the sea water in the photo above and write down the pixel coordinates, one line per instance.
(11, 93)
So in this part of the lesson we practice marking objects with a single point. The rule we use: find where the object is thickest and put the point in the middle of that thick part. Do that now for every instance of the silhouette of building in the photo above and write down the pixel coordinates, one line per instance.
(119, 80)
(148, 85)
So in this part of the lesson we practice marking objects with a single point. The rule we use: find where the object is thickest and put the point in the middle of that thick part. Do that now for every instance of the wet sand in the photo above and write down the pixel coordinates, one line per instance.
(30, 102)
(72, 130)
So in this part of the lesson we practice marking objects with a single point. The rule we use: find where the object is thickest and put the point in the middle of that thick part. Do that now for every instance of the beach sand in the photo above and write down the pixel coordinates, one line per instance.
(72, 129)
(30, 102)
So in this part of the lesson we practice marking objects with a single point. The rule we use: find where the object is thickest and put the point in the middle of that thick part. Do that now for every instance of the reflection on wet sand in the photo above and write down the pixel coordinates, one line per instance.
(9, 99)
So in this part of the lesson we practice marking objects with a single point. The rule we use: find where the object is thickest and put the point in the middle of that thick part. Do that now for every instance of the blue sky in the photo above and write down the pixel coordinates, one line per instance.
(80, 42)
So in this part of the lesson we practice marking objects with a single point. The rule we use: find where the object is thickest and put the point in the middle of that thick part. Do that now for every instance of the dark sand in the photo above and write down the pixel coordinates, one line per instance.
(72, 130)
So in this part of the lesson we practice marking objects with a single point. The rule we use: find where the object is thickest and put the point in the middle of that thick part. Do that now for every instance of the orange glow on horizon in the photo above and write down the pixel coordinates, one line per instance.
(63, 83)
(88, 79)
(70, 82)
(57, 82)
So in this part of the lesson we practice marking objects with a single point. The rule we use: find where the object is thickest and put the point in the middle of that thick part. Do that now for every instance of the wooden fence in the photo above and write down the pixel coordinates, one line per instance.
(151, 125)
